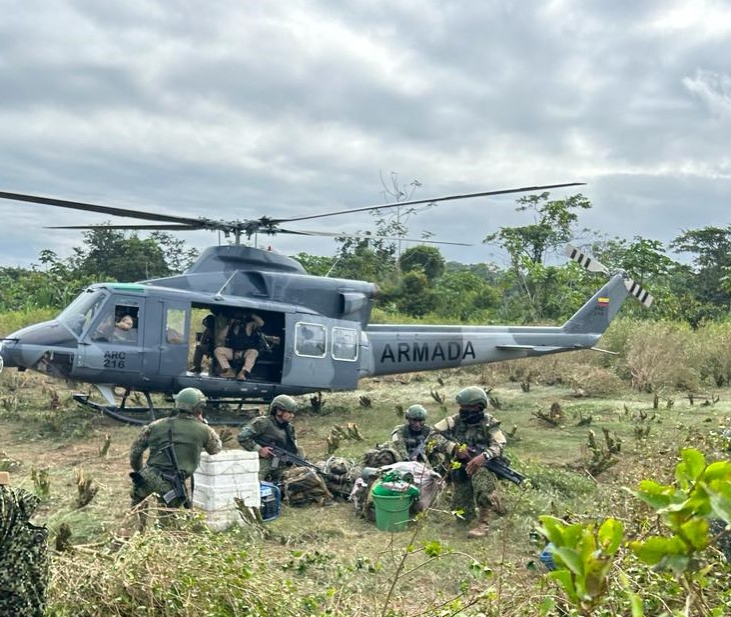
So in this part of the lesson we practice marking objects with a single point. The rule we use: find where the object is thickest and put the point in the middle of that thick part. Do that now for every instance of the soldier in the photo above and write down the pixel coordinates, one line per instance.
(410, 439)
(175, 445)
(240, 341)
(276, 429)
(470, 438)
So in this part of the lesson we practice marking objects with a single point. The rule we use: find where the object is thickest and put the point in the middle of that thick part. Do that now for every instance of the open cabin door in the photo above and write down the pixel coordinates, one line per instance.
(321, 352)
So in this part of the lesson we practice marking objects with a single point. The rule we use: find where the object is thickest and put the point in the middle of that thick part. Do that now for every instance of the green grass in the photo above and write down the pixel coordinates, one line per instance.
(314, 561)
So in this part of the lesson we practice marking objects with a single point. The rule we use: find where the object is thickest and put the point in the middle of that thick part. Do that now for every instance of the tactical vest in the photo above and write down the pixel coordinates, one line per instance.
(189, 438)
(456, 429)
(238, 340)
(410, 439)
(265, 429)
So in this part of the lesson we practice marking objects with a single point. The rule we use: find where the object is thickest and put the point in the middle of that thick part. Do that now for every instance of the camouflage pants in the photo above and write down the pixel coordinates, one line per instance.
(24, 570)
(153, 484)
(475, 490)
(268, 473)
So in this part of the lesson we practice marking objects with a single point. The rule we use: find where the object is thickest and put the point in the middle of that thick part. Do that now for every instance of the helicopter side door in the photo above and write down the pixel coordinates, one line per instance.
(321, 352)
(173, 335)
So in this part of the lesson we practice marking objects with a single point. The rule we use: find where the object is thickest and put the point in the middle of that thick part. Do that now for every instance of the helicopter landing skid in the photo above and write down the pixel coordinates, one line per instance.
(217, 414)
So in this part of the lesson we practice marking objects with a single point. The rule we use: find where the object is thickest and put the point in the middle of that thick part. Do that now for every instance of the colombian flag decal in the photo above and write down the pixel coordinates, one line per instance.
(603, 302)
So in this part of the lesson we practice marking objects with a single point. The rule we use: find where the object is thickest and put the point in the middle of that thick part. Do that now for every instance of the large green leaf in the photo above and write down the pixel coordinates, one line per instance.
(564, 578)
(610, 535)
(653, 550)
(571, 558)
(695, 531)
(690, 468)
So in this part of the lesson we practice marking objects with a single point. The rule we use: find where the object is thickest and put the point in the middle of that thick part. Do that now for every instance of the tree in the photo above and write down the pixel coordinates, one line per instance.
(527, 246)
(428, 259)
(417, 298)
(553, 227)
(109, 253)
(711, 247)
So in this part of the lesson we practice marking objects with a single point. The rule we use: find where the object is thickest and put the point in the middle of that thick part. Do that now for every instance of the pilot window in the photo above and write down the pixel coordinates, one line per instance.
(119, 323)
(310, 340)
(345, 344)
(175, 326)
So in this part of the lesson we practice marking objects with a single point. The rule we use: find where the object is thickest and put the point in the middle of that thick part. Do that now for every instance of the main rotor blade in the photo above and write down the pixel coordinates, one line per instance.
(145, 227)
(330, 234)
(79, 205)
(416, 202)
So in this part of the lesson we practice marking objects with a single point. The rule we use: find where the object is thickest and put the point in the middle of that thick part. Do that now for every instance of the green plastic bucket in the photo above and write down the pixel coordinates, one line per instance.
(392, 511)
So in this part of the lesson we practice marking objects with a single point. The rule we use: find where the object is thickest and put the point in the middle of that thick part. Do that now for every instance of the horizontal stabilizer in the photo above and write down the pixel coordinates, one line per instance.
(539, 348)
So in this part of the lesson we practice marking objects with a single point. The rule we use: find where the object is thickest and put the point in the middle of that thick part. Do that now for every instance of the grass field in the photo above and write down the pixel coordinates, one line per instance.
(326, 561)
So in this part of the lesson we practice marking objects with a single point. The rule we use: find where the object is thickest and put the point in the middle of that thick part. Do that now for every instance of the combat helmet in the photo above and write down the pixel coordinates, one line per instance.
(473, 395)
(282, 401)
(189, 398)
(416, 412)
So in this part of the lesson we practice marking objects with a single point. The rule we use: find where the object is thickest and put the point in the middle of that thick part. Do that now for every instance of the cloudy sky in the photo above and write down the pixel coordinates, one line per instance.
(237, 109)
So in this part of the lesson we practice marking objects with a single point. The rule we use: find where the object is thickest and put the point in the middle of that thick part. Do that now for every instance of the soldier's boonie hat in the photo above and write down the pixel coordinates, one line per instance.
(189, 398)
(284, 402)
(474, 395)
(416, 412)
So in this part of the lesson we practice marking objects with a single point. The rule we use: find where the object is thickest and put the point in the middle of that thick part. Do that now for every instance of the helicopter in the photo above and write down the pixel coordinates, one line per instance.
(313, 332)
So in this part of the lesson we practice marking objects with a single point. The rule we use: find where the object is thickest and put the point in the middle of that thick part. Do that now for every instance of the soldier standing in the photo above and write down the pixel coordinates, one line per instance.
(275, 429)
(470, 438)
(175, 445)
(410, 439)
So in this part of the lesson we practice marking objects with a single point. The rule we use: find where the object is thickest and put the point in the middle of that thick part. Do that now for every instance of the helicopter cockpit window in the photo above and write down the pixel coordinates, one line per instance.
(118, 324)
(175, 326)
(345, 344)
(310, 340)
(82, 311)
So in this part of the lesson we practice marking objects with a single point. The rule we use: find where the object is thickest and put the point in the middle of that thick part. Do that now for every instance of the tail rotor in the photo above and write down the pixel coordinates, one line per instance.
(592, 265)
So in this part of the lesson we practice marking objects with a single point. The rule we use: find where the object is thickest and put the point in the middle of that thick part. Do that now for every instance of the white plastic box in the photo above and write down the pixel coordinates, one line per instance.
(222, 477)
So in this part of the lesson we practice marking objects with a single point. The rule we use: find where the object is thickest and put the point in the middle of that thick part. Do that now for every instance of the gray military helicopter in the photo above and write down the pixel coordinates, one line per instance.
(313, 332)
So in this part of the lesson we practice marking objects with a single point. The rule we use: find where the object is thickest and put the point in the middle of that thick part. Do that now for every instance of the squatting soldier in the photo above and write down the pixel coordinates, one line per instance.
(410, 439)
(173, 442)
(470, 438)
(275, 429)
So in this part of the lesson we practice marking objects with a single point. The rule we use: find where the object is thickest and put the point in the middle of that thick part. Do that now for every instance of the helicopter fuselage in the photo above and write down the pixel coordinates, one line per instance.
(324, 340)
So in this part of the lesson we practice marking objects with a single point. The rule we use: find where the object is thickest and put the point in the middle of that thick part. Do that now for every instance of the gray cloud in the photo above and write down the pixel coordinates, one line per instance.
(237, 110)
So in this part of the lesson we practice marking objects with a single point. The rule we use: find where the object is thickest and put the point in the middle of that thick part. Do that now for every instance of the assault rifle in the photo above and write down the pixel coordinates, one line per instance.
(419, 453)
(499, 465)
(282, 456)
(177, 477)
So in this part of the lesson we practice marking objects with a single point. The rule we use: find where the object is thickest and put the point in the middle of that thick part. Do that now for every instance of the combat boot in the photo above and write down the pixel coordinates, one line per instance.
(480, 528)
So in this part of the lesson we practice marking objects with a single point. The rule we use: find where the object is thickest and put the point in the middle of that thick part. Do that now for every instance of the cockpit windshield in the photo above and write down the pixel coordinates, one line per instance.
(82, 311)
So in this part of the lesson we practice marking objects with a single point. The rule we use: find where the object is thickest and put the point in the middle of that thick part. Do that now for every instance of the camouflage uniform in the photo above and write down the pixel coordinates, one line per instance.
(479, 488)
(265, 429)
(24, 571)
(405, 441)
(189, 437)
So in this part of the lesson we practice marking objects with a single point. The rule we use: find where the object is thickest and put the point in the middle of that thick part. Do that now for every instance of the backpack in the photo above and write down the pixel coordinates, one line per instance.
(342, 473)
(381, 456)
(302, 486)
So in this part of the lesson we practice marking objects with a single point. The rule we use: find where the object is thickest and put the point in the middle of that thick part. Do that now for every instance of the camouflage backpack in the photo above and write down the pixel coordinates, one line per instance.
(341, 474)
(380, 456)
(302, 486)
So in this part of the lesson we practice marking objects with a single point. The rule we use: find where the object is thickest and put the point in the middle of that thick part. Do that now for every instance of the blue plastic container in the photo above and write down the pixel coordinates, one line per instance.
(271, 498)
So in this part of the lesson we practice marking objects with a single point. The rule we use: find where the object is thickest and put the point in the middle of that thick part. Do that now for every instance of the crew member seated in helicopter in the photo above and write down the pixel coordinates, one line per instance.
(204, 346)
(122, 330)
(242, 340)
